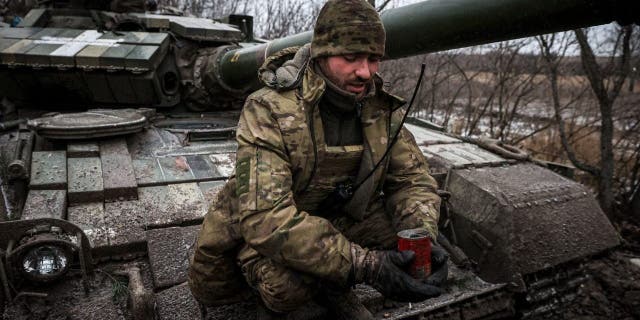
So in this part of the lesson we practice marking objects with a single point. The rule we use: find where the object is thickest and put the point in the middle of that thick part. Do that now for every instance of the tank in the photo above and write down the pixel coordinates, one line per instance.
(118, 131)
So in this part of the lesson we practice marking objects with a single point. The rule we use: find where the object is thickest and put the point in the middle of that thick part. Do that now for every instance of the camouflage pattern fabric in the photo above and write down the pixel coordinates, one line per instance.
(336, 164)
(347, 26)
(214, 277)
(283, 289)
(283, 70)
(276, 161)
(280, 288)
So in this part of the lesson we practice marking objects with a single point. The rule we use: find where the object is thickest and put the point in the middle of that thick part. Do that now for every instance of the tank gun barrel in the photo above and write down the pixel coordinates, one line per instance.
(438, 25)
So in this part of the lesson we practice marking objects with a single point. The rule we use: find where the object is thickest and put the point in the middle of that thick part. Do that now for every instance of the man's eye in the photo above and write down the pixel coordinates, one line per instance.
(374, 59)
(350, 57)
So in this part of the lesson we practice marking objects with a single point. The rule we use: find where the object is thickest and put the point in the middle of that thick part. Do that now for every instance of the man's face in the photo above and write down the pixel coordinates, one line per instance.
(351, 72)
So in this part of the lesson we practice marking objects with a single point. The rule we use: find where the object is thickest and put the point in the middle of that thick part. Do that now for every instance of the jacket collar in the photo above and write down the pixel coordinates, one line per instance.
(313, 87)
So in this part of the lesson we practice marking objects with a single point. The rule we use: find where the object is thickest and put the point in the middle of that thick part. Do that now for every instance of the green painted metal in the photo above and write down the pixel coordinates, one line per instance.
(438, 25)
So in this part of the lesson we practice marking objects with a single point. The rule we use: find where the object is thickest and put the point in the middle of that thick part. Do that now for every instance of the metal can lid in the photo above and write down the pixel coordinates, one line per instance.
(418, 233)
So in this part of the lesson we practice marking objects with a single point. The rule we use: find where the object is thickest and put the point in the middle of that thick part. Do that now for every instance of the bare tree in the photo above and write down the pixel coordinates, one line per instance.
(483, 88)
(12, 8)
(513, 76)
(465, 86)
(606, 86)
(281, 18)
(606, 78)
(402, 76)
(627, 177)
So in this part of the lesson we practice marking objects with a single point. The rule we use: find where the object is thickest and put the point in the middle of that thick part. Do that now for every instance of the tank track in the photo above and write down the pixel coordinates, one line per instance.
(494, 303)
(552, 289)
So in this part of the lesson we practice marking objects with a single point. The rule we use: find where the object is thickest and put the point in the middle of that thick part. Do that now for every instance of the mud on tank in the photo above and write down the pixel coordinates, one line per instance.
(118, 132)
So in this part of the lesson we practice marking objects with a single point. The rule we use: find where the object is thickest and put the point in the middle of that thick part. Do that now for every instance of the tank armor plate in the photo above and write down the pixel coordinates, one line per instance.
(85, 49)
(192, 28)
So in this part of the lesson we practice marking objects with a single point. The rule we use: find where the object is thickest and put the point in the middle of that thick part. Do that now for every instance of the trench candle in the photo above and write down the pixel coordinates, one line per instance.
(418, 241)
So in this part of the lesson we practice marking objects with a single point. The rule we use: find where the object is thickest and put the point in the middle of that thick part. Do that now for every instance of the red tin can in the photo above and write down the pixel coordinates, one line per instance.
(418, 241)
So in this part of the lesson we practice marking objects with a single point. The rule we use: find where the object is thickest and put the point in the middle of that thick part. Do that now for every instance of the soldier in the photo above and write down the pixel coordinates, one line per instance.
(322, 123)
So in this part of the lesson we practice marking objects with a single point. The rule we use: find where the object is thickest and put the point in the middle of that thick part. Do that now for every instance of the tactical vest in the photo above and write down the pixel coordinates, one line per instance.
(316, 167)
(336, 164)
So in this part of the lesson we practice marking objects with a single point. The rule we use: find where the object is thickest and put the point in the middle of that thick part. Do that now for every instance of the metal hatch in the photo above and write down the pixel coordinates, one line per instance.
(90, 124)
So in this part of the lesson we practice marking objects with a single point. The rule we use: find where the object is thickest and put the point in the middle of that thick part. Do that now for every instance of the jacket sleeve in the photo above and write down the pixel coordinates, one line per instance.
(410, 191)
(269, 220)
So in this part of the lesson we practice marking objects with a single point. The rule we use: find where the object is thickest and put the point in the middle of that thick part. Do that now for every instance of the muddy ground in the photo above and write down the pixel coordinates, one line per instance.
(613, 289)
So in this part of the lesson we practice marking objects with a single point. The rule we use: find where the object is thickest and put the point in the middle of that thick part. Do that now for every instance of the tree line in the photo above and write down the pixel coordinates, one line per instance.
(567, 97)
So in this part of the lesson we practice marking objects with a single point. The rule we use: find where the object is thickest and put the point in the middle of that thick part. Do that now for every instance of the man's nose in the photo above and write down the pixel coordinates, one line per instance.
(364, 70)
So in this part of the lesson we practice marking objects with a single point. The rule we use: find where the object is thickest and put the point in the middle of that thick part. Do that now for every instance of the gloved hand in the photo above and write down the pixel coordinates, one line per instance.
(383, 271)
(439, 268)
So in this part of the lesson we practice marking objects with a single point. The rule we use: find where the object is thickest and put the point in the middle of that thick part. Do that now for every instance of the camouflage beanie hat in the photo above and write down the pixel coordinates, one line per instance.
(347, 26)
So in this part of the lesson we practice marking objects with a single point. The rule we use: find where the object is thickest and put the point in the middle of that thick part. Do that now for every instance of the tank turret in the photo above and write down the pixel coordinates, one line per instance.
(118, 131)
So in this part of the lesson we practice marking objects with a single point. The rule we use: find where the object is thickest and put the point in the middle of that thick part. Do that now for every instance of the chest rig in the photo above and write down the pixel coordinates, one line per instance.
(336, 165)
(315, 167)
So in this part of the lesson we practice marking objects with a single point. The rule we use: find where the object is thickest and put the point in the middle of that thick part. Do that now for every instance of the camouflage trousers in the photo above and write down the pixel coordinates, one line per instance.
(283, 289)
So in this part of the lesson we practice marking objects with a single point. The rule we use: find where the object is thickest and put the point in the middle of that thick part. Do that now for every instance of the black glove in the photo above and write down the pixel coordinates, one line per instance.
(383, 271)
(439, 268)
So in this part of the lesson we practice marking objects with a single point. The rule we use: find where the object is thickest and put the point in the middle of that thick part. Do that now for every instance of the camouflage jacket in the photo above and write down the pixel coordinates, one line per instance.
(276, 161)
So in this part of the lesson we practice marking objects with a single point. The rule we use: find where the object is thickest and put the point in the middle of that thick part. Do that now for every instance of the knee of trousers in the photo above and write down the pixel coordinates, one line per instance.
(281, 289)
(216, 280)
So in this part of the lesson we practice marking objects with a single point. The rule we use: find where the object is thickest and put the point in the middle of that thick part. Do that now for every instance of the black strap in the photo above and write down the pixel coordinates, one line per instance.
(395, 137)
